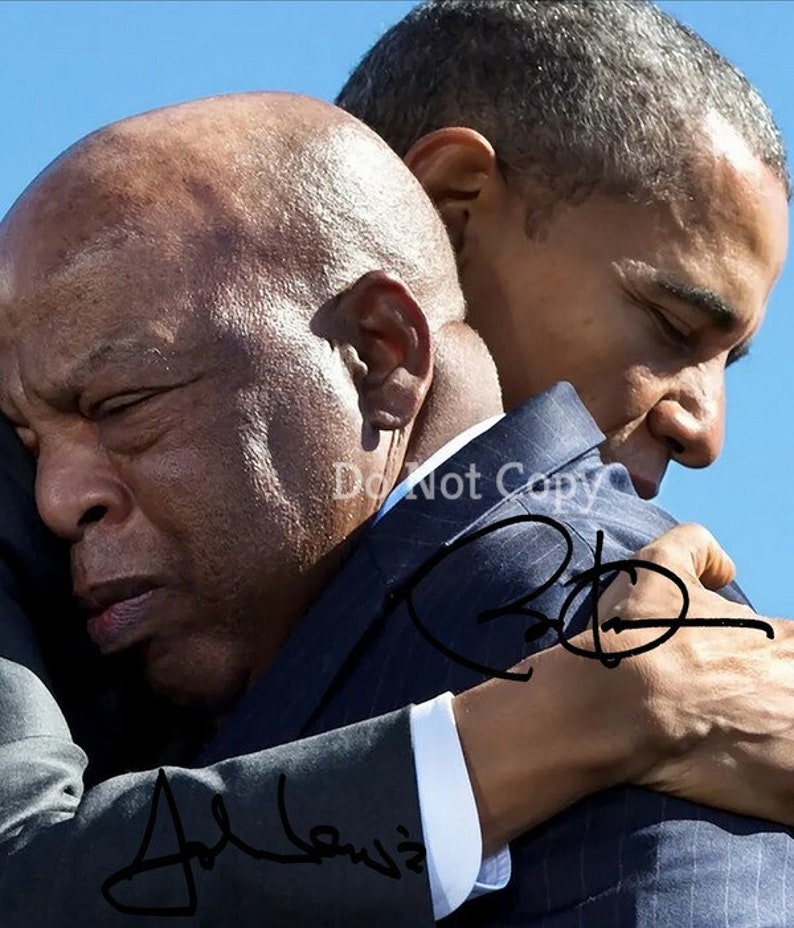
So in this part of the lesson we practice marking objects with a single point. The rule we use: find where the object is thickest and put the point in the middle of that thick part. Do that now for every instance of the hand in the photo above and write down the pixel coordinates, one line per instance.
(720, 701)
(707, 715)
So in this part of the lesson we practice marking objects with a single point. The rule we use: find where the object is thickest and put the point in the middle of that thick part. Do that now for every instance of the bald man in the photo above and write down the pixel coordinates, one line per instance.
(187, 346)
(209, 637)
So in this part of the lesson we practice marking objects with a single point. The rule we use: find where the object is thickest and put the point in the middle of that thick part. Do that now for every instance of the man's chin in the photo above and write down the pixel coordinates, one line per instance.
(646, 488)
(188, 681)
(646, 476)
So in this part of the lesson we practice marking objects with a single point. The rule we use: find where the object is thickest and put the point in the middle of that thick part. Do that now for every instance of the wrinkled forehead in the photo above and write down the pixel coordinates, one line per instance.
(83, 246)
(61, 275)
(76, 278)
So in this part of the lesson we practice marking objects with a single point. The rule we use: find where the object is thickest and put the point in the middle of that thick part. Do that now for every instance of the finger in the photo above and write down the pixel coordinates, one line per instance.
(691, 550)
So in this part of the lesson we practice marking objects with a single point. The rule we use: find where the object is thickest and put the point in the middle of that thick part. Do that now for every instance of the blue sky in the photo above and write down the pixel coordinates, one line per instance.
(68, 67)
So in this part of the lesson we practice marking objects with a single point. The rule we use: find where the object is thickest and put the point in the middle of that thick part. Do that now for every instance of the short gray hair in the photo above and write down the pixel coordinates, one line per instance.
(583, 95)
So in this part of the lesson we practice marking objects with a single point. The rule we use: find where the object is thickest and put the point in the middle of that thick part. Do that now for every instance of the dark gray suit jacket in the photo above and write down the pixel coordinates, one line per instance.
(59, 844)
(400, 622)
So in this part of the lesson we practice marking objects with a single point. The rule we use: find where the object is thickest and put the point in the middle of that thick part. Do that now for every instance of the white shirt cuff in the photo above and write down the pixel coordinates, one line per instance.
(494, 873)
(450, 822)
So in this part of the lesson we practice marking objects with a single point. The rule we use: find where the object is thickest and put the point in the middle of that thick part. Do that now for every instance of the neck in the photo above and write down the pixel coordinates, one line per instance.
(465, 391)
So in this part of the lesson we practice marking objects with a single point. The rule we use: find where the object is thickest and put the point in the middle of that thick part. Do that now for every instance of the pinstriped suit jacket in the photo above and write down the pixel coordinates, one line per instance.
(627, 857)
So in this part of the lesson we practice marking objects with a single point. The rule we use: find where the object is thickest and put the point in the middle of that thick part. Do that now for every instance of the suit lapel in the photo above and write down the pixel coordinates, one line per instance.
(537, 440)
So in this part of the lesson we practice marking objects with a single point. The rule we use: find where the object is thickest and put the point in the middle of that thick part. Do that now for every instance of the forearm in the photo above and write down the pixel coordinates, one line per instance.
(58, 848)
(706, 716)
(535, 748)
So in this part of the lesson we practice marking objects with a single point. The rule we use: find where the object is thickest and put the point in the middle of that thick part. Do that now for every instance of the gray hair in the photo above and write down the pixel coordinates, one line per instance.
(581, 95)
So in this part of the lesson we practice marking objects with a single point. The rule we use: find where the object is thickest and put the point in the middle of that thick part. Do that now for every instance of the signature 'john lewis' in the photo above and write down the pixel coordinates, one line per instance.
(401, 857)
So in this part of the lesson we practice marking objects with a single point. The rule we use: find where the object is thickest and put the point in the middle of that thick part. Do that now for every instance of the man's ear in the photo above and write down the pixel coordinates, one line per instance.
(389, 333)
(457, 168)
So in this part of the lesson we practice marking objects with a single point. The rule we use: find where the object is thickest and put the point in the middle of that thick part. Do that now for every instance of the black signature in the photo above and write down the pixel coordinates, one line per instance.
(542, 623)
(322, 843)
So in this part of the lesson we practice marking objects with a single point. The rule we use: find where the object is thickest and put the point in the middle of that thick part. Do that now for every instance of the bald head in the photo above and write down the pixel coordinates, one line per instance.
(251, 184)
(216, 333)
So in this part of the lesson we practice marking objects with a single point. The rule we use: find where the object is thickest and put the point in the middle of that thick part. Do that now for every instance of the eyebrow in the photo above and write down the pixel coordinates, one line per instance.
(130, 352)
(709, 304)
(703, 300)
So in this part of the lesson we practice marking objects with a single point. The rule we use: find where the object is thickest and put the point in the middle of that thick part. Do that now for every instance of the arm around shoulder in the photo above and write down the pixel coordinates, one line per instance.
(322, 831)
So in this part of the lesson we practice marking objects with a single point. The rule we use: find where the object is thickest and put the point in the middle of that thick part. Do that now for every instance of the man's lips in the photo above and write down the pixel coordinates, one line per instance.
(117, 611)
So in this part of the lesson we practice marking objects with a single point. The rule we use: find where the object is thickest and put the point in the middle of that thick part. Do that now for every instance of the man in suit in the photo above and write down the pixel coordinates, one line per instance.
(161, 335)
(58, 845)
(638, 277)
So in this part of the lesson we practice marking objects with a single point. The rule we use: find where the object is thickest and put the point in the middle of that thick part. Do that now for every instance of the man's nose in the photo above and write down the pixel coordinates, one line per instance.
(690, 419)
(75, 487)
